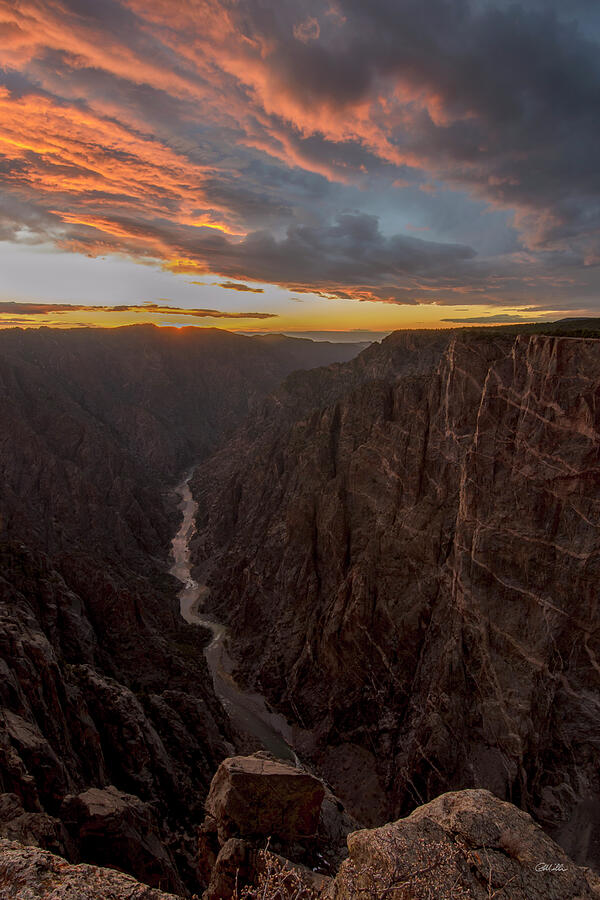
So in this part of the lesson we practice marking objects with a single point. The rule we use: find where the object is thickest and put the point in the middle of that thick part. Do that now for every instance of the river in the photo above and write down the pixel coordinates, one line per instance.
(247, 711)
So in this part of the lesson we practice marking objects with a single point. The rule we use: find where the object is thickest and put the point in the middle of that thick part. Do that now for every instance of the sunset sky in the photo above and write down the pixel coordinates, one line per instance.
(299, 166)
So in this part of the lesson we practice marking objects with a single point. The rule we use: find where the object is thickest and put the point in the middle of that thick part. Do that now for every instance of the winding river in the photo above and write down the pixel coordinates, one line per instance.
(247, 711)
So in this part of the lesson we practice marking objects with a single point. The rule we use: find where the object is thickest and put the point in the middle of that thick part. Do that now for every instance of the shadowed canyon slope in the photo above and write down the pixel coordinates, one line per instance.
(109, 728)
(407, 549)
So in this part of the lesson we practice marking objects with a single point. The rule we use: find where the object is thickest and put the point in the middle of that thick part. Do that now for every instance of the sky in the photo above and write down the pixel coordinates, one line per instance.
(336, 168)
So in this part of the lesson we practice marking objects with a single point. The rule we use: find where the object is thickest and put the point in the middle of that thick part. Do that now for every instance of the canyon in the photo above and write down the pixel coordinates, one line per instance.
(382, 567)
(110, 730)
(414, 535)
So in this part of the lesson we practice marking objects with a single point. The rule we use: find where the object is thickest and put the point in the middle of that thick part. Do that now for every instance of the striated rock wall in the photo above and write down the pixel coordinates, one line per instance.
(419, 557)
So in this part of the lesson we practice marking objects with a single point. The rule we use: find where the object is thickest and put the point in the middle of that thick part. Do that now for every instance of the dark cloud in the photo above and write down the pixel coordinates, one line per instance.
(239, 286)
(349, 258)
(35, 309)
(500, 97)
(264, 141)
(497, 319)
(42, 309)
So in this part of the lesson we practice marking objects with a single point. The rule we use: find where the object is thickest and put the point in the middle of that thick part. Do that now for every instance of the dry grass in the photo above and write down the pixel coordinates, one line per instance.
(276, 881)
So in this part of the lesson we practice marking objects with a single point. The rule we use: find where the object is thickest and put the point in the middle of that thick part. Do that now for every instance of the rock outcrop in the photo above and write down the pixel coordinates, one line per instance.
(259, 797)
(112, 828)
(410, 571)
(263, 812)
(28, 873)
(35, 828)
(467, 845)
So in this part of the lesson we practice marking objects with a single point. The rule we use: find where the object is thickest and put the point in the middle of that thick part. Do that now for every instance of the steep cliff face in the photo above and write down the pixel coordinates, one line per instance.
(102, 685)
(410, 570)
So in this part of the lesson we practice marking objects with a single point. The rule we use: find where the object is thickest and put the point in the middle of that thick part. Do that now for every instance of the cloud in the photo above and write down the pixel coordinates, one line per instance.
(306, 31)
(239, 286)
(351, 258)
(43, 309)
(497, 319)
(260, 145)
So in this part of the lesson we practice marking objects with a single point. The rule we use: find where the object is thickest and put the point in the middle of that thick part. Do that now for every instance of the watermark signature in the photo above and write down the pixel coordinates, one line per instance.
(550, 867)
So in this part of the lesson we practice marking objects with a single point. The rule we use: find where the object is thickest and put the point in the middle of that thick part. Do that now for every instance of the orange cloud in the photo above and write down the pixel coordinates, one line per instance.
(67, 152)
(174, 132)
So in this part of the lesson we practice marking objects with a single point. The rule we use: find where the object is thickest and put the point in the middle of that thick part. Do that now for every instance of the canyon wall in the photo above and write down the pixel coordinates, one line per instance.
(109, 728)
(407, 550)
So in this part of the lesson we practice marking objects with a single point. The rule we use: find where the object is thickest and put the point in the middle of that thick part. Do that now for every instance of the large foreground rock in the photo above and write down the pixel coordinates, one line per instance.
(28, 873)
(257, 802)
(256, 796)
(465, 844)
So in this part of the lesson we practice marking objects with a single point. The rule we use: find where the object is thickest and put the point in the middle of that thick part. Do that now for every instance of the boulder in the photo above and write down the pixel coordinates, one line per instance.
(253, 796)
(235, 867)
(119, 830)
(29, 873)
(465, 844)
(17, 824)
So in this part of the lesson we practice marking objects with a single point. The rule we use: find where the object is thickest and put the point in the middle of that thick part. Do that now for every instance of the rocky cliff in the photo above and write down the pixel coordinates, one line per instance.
(274, 832)
(466, 845)
(407, 549)
(109, 728)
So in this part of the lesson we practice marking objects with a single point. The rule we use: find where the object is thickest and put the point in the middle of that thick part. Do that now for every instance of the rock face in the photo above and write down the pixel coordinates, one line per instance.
(101, 682)
(410, 571)
(32, 828)
(28, 873)
(263, 814)
(234, 867)
(112, 828)
(95, 422)
(96, 690)
(466, 844)
(254, 796)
